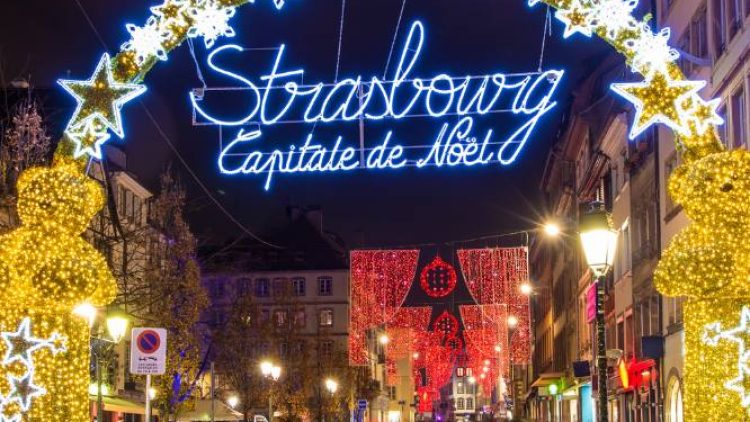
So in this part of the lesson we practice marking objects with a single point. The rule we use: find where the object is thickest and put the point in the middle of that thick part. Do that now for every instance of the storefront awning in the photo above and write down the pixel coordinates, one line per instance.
(547, 378)
(116, 404)
(202, 412)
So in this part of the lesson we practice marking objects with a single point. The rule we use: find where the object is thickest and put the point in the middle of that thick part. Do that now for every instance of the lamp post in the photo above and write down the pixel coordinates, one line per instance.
(599, 241)
(331, 386)
(117, 323)
(272, 373)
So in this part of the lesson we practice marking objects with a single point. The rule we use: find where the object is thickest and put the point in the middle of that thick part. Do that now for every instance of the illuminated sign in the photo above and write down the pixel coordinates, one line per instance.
(280, 97)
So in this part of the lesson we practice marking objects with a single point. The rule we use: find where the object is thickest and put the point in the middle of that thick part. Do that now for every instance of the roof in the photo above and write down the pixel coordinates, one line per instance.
(302, 246)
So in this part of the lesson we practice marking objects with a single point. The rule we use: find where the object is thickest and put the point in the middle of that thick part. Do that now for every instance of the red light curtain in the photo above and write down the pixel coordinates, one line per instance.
(493, 277)
(380, 281)
(404, 329)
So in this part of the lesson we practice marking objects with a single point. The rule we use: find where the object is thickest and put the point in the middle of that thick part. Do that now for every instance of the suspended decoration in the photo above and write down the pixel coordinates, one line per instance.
(446, 325)
(456, 345)
(438, 279)
(404, 328)
(380, 281)
(494, 277)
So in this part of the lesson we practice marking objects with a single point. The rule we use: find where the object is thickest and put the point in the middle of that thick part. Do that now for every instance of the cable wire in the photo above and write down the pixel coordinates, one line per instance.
(341, 39)
(395, 37)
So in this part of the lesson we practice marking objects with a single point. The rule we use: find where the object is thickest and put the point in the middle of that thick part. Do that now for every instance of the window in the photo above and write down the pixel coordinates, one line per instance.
(284, 350)
(325, 318)
(733, 14)
(674, 397)
(699, 34)
(674, 310)
(460, 388)
(281, 318)
(300, 318)
(469, 403)
(722, 112)
(326, 348)
(265, 315)
(392, 392)
(243, 286)
(738, 110)
(279, 287)
(262, 287)
(719, 18)
(325, 286)
(460, 403)
(298, 286)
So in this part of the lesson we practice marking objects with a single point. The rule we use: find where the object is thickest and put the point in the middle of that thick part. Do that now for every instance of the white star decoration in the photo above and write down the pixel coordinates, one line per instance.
(651, 51)
(101, 84)
(89, 138)
(672, 114)
(577, 19)
(147, 41)
(713, 333)
(23, 390)
(704, 114)
(21, 344)
(210, 21)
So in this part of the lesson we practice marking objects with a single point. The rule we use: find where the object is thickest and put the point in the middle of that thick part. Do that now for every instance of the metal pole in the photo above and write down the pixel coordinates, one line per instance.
(148, 398)
(213, 394)
(601, 355)
(270, 406)
(99, 398)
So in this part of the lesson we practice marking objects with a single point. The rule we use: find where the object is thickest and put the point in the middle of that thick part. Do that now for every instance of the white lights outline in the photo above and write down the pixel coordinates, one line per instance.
(563, 15)
(90, 127)
(713, 333)
(678, 126)
(651, 51)
(104, 65)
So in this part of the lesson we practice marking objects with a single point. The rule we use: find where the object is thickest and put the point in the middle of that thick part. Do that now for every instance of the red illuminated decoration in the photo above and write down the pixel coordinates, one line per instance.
(438, 278)
(380, 282)
(622, 369)
(404, 328)
(636, 374)
(494, 277)
(446, 324)
(455, 344)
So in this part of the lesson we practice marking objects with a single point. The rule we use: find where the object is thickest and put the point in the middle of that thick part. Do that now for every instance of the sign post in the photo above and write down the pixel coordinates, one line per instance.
(148, 356)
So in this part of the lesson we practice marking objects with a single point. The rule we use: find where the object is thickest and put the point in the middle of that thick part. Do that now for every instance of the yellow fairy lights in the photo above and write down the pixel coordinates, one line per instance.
(709, 262)
(46, 269)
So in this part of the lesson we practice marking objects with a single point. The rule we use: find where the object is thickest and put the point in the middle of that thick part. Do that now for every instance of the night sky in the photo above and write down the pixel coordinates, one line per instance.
(47, 39)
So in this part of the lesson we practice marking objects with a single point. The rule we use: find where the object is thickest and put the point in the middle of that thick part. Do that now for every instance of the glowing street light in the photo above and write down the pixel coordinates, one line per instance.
(552, 229)
(86, 311)
(331, 385)
(233, 401)
(383, 339)
(526, 289)
(152, 393)
(265, 368)
(117, 325)
(276, 373)
(512, 322)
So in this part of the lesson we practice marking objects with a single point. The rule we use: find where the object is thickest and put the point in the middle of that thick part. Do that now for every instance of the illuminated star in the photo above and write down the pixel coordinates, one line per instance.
(210, 21)
(741, 384)
(14, 418)
(704, 113)
(101, 97)
(23, 390)
(576, 19)
(651, 51)
(658, 99)
(147, 41)
(89, 138)
(21, 344)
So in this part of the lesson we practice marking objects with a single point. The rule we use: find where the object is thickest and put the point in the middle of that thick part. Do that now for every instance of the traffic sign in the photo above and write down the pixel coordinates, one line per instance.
(362, 404)
(148, 351)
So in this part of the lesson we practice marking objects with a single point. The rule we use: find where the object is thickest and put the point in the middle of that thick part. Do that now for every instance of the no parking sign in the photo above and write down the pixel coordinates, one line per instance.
(148, 351)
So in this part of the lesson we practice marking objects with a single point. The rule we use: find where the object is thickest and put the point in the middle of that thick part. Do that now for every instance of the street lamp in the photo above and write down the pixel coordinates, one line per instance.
(512, 322)
(332, 386)
(526, 289)
(552, 229)
(233, 401)
(384, 340)
(599, 241)
(272, 373)
(117, 325)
